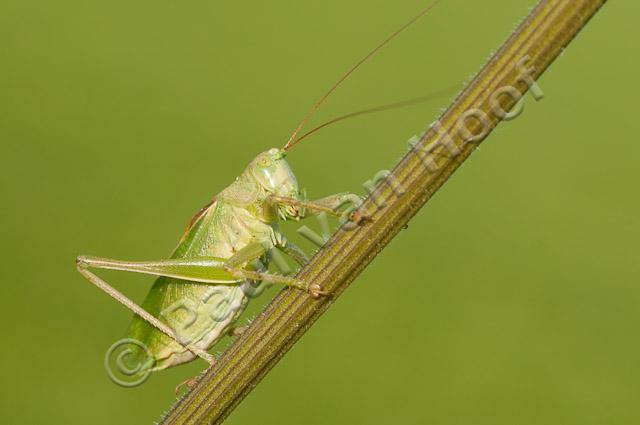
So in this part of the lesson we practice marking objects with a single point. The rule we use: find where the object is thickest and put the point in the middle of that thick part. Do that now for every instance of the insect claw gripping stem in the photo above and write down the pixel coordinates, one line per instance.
(317, 292)
(237, 330)
(360, 218)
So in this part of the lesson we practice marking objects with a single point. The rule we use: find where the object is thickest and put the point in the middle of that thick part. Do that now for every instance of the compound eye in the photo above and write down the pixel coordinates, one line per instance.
(264, 162)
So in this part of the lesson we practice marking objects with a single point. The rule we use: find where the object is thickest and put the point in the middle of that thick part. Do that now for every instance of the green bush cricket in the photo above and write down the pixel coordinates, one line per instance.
(224, 248)
(223, 253)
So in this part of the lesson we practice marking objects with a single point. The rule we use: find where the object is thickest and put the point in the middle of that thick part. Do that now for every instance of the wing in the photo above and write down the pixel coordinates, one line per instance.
(181, 298)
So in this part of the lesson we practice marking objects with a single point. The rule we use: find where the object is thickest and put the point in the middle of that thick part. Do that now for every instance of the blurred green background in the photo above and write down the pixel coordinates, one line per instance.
(512, 298)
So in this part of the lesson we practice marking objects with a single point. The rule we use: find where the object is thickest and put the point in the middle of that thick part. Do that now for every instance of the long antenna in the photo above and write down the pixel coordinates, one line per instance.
(380, 108)
(291, 142)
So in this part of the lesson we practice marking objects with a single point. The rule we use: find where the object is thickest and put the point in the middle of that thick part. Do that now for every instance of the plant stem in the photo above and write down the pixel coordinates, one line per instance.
(534, 45)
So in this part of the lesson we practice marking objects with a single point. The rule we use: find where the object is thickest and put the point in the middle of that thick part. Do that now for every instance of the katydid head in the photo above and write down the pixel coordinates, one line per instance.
(274, 175)
(266, 176)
